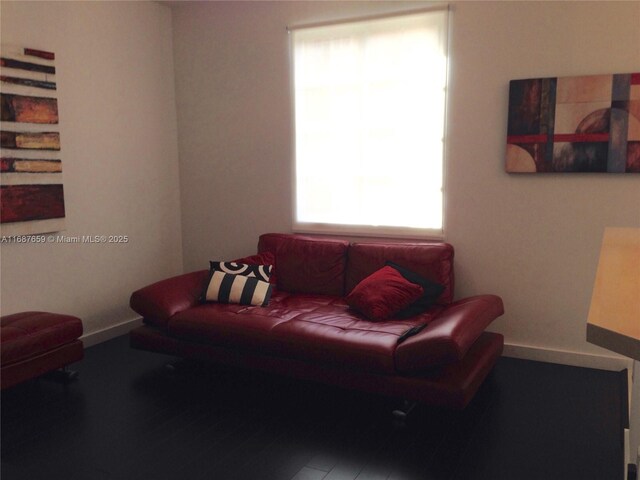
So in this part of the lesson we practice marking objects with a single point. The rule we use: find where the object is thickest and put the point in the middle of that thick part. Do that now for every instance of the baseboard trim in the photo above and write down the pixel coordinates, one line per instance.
(563, 357)
(110, 332)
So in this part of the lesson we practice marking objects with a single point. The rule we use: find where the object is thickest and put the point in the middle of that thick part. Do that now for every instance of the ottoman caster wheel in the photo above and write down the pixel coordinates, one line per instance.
(70, 376)
(63, 375)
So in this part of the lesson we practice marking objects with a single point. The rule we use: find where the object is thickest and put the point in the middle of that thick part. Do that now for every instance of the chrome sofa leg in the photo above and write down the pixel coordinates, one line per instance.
(401, 413)
(171, 367)
(177, 365)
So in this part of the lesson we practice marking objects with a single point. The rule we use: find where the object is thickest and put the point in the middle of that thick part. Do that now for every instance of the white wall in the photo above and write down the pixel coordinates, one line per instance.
(533, 239)
(120, 162)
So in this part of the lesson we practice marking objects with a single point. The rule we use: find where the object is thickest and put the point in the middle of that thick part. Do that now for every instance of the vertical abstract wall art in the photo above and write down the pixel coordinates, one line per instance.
(31, 191)
(574, 124)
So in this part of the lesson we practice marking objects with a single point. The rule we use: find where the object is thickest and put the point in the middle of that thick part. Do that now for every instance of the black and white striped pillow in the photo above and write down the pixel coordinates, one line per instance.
(261, 272)
(230, 288)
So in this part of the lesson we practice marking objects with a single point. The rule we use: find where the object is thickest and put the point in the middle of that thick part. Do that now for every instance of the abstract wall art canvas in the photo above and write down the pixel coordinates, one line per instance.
(574, 124)
(31, 188)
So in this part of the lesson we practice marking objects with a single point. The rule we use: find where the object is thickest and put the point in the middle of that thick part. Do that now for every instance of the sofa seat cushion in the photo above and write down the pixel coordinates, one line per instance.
(317, 328)
(27, 334)
(244, 326)
(336, 335)
(231, 325)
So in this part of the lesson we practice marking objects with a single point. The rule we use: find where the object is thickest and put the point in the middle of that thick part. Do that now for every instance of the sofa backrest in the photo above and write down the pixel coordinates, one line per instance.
(333, 267)
(307, 264)
(433, 261)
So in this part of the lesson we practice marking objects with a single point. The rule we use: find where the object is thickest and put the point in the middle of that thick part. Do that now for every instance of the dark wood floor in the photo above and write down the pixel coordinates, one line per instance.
(128, 418)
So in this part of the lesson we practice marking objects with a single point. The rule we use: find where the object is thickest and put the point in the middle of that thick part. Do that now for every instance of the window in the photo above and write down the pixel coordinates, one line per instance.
(369, 102)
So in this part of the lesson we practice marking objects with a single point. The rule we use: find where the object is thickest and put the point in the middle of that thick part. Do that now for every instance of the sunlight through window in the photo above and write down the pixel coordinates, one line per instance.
(369, 124)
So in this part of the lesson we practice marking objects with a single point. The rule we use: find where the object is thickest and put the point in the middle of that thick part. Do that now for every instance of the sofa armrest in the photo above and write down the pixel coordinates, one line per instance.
(161, 300)
(450, 335)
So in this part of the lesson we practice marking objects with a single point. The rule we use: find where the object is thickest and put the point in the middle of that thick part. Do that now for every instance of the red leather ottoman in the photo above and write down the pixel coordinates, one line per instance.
(33, 343)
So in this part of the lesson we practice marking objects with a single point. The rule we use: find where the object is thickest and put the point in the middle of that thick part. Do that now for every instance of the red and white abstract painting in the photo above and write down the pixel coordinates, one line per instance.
(574, 124)
(31, 190)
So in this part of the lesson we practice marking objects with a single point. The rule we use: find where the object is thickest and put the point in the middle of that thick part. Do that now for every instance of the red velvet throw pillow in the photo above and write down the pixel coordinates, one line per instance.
(265, 258)
(383, 293)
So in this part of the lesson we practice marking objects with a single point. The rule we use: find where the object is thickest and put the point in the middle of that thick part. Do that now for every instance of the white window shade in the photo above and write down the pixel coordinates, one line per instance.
(369, 124)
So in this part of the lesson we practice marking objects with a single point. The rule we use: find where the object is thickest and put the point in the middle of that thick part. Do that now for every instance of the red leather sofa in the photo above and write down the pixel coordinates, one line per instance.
(308, 331)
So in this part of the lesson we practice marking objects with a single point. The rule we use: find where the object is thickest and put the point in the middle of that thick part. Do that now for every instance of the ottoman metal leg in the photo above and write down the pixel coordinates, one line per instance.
(63, 375)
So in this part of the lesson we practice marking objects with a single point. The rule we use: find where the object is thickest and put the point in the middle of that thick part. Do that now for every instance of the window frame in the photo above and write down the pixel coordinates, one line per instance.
(359, 230)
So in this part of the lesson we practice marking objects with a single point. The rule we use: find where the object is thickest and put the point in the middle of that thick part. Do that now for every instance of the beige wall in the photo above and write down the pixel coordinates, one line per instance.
(119, 150)
(534, 240)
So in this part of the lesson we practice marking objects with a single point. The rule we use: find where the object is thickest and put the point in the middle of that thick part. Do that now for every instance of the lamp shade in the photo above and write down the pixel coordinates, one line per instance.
(614, 314)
